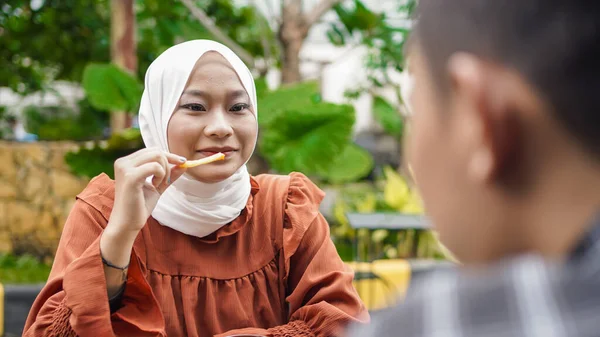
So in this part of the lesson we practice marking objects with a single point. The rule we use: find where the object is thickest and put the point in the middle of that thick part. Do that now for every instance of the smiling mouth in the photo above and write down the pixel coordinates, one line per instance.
(228, 152)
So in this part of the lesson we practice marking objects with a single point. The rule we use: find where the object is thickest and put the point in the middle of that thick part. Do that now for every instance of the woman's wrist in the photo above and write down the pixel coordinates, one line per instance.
(115, 252)
(116, 246)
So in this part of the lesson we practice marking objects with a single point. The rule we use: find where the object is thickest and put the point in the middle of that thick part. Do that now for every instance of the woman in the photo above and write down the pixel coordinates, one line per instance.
(165, 251)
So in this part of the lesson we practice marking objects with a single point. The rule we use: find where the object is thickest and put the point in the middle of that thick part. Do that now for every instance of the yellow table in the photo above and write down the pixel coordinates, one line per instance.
(382, 282)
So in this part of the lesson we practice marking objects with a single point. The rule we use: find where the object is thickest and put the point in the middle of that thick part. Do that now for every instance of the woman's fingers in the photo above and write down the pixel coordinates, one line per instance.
(175, 159)
(152, 154)
(144, 171)
(159, 156)
(168, 161)
(176, 172)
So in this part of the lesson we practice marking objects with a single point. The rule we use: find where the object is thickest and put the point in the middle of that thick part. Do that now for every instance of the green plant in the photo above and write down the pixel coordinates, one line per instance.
(58, 39)
(384, 39)
(61, 123)
(22, 269)
(110, 88)
(299, 132)
(392, 194)
(5, 118)
(90, 162)
(388, 117)
(55, 40)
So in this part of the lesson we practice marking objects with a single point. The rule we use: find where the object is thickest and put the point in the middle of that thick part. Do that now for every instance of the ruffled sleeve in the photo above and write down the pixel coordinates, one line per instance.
(74, 301)
(320, 294)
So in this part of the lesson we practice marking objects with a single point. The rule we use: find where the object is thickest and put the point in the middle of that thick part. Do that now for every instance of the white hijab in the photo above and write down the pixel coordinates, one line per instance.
(190, 206)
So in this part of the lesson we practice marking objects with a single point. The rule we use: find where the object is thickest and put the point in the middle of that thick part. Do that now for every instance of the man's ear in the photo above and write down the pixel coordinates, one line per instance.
(486, 117)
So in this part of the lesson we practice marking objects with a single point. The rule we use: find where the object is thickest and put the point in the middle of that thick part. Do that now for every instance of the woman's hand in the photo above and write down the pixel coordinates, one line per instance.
(135, 198)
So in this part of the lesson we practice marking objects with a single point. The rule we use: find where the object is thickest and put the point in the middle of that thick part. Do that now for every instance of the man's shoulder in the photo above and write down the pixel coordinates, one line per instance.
(513, 298)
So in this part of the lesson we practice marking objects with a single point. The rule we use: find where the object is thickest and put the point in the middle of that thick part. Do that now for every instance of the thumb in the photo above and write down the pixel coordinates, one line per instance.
(176, 173)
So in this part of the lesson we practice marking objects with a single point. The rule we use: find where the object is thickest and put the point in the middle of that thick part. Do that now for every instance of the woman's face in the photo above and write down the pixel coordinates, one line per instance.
(214, 114)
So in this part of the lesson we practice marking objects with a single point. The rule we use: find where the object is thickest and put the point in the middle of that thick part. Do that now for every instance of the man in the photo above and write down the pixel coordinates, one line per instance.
(505, 148)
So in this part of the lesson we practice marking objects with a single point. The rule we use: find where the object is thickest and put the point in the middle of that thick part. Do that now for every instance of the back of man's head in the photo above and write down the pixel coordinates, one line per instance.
(507, 114)
(554, 44)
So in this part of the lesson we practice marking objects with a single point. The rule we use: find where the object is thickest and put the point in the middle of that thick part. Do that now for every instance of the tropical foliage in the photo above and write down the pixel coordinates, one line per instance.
(391, 194)
(22, 269)
(70, 40)
(63, 123)
(299, 132)
(59, 38)
(384, 37)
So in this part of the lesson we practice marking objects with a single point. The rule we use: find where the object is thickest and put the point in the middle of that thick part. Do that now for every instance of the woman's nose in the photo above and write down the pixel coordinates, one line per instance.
(218, 126)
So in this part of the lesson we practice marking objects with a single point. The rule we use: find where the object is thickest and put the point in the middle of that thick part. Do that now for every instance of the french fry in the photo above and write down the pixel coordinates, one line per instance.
(207, 160)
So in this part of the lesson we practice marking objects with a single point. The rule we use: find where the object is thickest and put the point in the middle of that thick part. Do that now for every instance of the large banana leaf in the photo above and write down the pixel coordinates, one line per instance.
(352, 164)
(299, 132)
(110, 88)
(306, 138)
(296, 97)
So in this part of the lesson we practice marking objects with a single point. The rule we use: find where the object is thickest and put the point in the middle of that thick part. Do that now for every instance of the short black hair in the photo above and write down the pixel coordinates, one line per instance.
(554, 44)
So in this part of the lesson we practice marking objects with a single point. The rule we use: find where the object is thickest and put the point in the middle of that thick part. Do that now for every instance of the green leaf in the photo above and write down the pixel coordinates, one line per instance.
(110, 88)
(365, 19)
(336, 36)
(388, 117)
(299, 132)
(357, 17)
(307, 137)
(296, 97)
(352, 164)
(22, 269)
(379, 235)
(193, 30)
(262, 89)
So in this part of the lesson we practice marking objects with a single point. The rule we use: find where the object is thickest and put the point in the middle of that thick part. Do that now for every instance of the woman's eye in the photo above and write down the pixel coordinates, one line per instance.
(194, 107)
(239, 107)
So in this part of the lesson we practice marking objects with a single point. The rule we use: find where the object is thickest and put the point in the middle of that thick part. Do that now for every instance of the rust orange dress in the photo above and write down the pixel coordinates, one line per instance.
(273, 271)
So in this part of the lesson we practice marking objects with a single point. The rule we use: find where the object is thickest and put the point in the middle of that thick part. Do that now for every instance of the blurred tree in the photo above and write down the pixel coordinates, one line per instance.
(62, 123)
(374, 30)
(51, 39)
(64, 35)
(299, 132)
(293, 30)
(325, 151)
(45, 40)
(384, 38)
(122, 51)
(294, 25)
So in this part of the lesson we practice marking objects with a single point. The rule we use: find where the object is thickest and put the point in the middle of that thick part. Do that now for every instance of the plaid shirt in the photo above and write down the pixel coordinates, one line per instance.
(526, 296)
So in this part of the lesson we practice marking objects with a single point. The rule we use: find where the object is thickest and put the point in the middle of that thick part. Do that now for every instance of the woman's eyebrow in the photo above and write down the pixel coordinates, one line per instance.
(195, 92)
(237, 94)
(229, 95)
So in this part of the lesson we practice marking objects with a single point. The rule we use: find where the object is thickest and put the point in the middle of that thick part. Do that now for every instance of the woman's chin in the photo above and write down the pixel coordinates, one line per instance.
(209, 174)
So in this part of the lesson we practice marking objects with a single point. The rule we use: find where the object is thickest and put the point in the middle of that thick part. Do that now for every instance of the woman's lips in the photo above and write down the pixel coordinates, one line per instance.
(210, 153)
